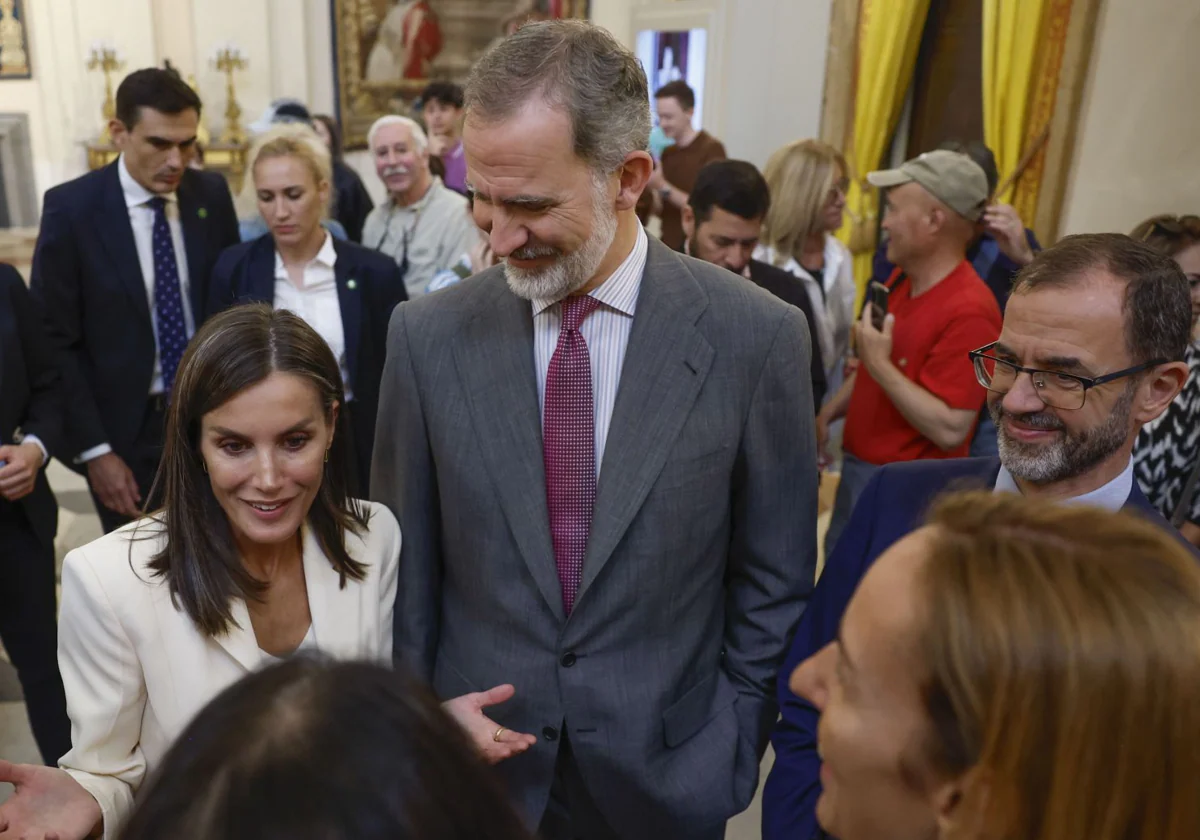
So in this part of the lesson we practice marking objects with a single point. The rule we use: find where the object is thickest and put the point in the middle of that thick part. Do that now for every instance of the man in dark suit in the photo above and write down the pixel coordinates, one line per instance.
(1068, 401)
(603, 459)
(722, 221)
(31, 409)
(122, 265)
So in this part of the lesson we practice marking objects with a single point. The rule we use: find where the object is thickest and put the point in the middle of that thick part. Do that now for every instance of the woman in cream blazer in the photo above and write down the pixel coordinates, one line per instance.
(257, 552)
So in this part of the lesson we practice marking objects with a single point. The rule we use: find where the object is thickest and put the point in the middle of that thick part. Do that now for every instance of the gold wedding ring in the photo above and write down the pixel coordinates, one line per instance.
(499, 732)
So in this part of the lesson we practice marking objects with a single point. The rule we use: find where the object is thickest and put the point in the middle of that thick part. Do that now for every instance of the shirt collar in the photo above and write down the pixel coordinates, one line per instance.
(1110, 497)
(327, 257)
(620, 290)
(135, 194)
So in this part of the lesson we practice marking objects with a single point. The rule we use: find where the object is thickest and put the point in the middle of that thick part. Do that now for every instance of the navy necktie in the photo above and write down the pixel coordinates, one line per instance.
(168, 298)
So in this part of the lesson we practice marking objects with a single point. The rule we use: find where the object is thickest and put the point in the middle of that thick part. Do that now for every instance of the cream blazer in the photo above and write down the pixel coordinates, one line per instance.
(137, 670)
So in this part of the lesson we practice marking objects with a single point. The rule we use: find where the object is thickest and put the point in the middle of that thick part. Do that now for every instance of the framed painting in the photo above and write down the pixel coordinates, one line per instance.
(14, 41)
(387, 51)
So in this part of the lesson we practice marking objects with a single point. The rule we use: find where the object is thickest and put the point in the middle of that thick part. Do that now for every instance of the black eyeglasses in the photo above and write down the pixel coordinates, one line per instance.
(1057, 390)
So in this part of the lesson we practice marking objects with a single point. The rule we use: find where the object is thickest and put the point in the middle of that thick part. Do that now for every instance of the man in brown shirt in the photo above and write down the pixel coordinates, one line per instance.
(672, 180)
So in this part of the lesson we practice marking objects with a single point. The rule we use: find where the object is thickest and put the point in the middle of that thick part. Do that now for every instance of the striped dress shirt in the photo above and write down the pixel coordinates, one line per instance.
(606, 332)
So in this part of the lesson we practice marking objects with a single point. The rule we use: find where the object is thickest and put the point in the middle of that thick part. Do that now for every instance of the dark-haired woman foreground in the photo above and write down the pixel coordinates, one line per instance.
(312, 749)
(257, 552)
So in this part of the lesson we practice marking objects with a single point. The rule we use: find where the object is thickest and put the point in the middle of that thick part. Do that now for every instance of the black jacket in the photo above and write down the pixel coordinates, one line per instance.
(352, 201)
(30, 391)
(88, 279)
(791, 290)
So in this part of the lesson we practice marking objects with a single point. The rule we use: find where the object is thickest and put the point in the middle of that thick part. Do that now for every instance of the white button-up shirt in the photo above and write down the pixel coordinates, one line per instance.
(1111, 496)
(316, 301)
(606, 333)
(141, 219)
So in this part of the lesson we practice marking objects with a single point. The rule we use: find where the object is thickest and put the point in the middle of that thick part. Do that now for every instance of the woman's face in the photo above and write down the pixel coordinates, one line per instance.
(290, 200)
(866, 688)
(835, 203)
(1189, 261)
(265, 454)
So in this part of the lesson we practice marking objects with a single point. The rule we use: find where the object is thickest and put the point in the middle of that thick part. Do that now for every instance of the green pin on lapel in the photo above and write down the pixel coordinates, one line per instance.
(202, 212)
(351, 284)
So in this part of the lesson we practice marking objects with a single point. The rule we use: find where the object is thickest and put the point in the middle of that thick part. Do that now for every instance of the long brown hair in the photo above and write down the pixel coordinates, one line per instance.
(1062, 648)
(234, 350)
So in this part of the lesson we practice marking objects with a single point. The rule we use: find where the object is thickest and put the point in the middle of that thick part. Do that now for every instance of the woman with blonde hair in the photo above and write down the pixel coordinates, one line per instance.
(808, 181)
(1014, 671)
(1166, 459)
(344, 291)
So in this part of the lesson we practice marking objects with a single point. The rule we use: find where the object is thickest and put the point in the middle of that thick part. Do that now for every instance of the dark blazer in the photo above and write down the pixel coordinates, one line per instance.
(789, 289)
(369, 287)
(30, 391)
(699, 559)
(352, 201)
(87, 275)
(892, 505)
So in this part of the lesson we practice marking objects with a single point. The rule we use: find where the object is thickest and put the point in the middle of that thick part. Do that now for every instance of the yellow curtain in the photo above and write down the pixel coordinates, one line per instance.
(1012, 42)
(889, 34)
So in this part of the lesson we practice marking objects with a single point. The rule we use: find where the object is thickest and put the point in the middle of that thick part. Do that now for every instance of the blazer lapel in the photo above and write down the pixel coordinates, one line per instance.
(666, 363)
(239, 642)
(350, 300)
(495, 363)
(335, 611)
(116, 232)
(192, 216)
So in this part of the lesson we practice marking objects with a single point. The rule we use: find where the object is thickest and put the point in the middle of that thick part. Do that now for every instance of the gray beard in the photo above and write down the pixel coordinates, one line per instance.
(571, 272)
(1072, 454)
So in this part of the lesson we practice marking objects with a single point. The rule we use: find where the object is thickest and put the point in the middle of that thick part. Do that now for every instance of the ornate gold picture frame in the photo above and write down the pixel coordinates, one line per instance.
(387, 51)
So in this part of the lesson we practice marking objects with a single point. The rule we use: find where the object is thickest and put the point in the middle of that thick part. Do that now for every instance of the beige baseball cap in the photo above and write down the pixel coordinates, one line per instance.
(950, 177)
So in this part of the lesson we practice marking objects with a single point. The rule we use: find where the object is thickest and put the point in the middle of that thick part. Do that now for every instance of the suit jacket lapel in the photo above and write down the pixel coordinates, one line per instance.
(350, 300)
(495, 363)
(666, 363)
(116, 232)
(192, 216)
(240, 642)
(335, 610)
(257, 283)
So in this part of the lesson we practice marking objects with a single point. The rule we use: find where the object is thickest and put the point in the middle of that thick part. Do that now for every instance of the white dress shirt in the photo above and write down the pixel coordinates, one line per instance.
(141, 219)
(1111, 496)
(317, 301)
(606, 333)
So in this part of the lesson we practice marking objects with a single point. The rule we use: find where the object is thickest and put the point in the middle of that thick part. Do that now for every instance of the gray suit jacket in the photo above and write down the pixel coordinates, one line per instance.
(702, 548)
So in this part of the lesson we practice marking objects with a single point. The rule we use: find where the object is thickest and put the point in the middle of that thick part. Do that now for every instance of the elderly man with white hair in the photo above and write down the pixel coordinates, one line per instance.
(423, 225)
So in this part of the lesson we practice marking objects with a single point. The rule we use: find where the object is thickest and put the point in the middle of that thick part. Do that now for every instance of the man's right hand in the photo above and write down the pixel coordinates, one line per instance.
(114, 484)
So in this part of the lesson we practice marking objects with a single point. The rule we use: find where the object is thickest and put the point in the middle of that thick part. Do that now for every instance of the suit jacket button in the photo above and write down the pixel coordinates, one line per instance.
(568, 660)
(550, 733)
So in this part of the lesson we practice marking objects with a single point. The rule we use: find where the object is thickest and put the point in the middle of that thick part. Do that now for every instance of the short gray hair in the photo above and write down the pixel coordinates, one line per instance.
(577, 67)
(414, 128)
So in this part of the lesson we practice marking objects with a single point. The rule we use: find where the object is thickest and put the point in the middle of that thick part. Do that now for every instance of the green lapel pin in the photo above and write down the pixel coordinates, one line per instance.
(202, 212)
(351, 284)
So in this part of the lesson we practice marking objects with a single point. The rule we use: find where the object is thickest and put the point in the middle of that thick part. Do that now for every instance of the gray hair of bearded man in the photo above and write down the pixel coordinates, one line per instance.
(577, 67)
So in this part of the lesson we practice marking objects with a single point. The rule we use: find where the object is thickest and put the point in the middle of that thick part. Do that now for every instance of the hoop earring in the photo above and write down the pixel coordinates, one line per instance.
(326, 456)
(204, 466)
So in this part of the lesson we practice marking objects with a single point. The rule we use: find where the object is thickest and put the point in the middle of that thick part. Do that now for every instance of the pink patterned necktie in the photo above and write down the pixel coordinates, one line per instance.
(569, 446)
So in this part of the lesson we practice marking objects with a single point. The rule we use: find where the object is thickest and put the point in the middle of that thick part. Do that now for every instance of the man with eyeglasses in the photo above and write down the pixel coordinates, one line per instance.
(1091, 350)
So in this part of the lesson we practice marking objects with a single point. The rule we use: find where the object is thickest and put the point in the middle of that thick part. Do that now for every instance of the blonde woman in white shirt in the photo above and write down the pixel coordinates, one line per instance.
(259, 551)
(808, 182)
(344, 291)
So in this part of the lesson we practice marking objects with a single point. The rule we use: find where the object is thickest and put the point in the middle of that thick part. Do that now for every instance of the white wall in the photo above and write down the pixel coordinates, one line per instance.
(1137, 150)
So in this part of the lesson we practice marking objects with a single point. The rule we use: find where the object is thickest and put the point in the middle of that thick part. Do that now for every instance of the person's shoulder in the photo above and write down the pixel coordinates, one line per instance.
(206, 183)
(935, 474)
(972, 293)
(380, 539)
(740, 306)
(447, 197)
(360, 255)
(120, 560)
(768, 275)
(10, 278)
(234, 255)
(69, 194)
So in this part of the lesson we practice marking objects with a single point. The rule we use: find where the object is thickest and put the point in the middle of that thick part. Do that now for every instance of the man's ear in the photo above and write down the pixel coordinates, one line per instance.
(634, 174)
(687, 217)
(1159, 389)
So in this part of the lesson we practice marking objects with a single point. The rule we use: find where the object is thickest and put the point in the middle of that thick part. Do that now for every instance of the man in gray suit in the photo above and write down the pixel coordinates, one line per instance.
(603, 462)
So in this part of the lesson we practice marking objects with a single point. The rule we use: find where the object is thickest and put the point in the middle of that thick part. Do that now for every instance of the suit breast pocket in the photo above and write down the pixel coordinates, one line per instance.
(689, 469)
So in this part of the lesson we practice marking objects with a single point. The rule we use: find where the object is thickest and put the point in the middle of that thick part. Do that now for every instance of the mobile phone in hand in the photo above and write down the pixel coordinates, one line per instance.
(877, 299)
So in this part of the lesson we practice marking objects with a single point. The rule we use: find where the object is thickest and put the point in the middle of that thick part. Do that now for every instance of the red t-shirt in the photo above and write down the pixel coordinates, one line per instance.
(931, 338)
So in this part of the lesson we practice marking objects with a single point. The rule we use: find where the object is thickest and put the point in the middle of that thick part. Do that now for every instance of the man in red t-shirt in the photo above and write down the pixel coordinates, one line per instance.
(915, 394)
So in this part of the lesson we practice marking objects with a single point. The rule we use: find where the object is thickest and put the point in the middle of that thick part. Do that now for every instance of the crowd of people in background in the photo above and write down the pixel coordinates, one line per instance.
(487, 512)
